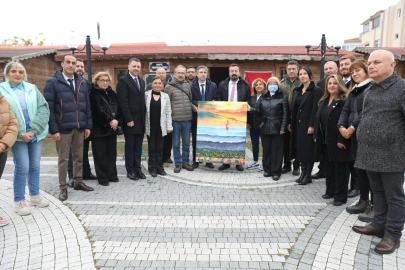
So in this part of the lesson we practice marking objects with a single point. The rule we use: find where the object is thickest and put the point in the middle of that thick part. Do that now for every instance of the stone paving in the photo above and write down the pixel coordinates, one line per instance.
(204, 219)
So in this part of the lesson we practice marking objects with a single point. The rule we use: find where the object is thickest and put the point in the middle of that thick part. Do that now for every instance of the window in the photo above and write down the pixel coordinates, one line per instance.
(366, 28)
(376, 22)
(399, 13)
(120, 73)
(377, 43)
(396, 36)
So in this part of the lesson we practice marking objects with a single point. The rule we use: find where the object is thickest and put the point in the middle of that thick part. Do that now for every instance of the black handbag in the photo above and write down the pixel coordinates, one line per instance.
(119, 130)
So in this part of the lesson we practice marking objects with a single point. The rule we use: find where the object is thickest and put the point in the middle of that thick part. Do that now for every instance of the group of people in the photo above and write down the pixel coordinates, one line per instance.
(352, 121)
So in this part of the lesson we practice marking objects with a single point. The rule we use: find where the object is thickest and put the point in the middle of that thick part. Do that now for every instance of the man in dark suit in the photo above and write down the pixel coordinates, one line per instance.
(131, 99)
(202, 89)
(233, 89)
(329, 68)
(344, 69)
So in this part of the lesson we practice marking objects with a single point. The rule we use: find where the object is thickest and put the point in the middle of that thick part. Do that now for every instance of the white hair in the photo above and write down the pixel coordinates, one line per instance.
(390, 54)
(16, 65)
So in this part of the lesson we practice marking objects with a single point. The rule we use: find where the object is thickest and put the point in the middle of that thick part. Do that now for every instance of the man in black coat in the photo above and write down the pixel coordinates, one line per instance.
(344, 69)
(86, 164)
(202, 89)
(381, 148)
(70, 120)
(131, 100)
(233, 89)
(329, 68)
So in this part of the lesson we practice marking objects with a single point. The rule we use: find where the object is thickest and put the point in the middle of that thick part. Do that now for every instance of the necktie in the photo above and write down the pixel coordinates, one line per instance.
(202, 92)
(233, 92)
(137, 83)
(71, 84)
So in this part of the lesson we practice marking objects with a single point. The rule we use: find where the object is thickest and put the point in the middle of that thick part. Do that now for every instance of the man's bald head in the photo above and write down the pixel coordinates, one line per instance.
(161, 73)
(381, 64)
(330, 68)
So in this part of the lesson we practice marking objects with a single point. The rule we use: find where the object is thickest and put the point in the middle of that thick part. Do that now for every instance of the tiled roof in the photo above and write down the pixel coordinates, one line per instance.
(24, 52)
(399, 53)
(357, 39)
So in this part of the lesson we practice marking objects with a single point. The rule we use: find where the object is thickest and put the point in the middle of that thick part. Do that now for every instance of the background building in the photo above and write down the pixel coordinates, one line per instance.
(351, 44)
(386, 28)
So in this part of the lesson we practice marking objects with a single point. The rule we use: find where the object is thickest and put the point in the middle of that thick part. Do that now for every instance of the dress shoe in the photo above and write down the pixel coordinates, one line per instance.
(82, 186)
(71, 182)
(286, 170)
(187, 167)
(318, 175)
(239, 168)
(153, 173)
(266, 174)
(300, 178)
(296, 171)
(368, 230)
(169, 160)
(386, 246)
(224, 167)
(63, 194)
(105, 184)
(276, 177)
(115, 180)
(327, 196)
(338, 203)
(209, 165)
(140, 175)
(353, 193)
(306, 179)
(132, 176)
(162, 173)
(368, 215)
(196, 165)
(89, 177)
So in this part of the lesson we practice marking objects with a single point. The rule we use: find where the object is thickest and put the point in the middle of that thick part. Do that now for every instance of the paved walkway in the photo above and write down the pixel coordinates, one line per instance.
(204, 219)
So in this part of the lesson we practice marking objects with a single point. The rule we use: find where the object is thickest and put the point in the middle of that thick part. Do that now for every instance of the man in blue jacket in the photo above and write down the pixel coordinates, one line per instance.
(202, 89)
(70, 120)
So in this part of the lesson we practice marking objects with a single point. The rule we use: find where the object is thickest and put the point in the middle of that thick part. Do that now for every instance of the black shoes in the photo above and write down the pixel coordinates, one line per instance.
(89, 177)
(162, 173)
(140, 175)
(196, 165)
(105, 184)
(169, 160)
(353, 193)
(153, 173)
(300, 178)
(318, 175)
(266, 174)
(209, 165)
(338, 203)
(296, 171)
(132, 176)
(224, 167)
(306, 179)
(285, 170)
(327, 196)
(276, 177)
(239, 168)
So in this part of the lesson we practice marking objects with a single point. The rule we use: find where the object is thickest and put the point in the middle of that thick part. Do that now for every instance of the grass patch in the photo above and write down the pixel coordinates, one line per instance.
(250, 147)
(49, 148)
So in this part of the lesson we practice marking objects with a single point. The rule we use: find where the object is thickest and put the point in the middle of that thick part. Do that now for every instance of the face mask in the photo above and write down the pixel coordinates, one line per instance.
(272, 88)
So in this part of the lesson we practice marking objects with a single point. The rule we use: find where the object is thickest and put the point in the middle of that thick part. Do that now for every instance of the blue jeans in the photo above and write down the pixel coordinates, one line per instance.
(27, 158)
(255, 136)
(183, 128)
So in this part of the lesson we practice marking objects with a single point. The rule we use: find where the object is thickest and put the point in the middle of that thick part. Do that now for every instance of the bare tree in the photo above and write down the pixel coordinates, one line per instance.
(39, 40)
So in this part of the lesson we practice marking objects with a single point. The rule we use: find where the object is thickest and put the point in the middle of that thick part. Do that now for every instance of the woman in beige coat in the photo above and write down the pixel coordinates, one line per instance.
(8, 136)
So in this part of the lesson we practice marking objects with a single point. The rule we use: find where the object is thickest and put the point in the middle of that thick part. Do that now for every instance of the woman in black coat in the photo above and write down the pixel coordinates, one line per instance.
(304, 109)
(330, 144)
(104, 107)
(348, 122)
(254, 120)
(274, 111)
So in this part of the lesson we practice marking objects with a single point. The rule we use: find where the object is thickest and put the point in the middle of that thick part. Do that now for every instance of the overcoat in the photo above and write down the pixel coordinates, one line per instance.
(131, 101)
(303, 117)
(332, 136)
(380, 135)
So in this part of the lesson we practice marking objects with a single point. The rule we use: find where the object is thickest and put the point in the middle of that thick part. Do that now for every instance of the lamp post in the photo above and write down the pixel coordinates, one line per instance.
(323, 48)
(89, 50)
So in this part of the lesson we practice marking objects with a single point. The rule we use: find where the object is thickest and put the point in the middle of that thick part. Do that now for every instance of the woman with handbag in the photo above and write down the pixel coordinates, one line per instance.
(106, 118)
(158, 123)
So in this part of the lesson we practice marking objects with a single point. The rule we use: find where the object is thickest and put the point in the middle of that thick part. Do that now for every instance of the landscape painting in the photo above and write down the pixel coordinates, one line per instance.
(221, 132)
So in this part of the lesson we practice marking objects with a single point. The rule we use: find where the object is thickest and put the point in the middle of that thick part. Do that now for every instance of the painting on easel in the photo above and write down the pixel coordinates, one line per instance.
(221, 132)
